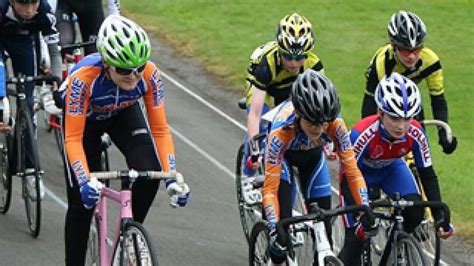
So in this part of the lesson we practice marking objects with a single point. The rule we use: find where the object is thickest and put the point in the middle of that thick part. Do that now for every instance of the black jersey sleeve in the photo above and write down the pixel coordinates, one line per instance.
(260, 75)
(368, 103)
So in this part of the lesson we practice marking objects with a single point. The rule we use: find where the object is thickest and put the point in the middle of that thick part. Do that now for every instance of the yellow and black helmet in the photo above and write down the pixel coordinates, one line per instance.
(295, 34)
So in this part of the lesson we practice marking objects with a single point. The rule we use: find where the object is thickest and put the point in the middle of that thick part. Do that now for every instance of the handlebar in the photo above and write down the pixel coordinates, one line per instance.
(69, 47)
(402, 203)
(439, 123)
(22, 79)
(133, 174)
(318, 214)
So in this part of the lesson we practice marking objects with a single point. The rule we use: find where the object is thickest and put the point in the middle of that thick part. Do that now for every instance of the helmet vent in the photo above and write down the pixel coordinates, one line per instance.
(117, 39)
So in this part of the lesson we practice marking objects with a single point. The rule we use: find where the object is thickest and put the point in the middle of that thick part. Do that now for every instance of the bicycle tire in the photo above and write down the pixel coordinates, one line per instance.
(258, 245)
(338, 233)
(141, 244)
(25, 132)
(248, 217)
(93, 243)
(332, 261)
(58, 137)
(429, 240)
(407, 252)
(5, 175)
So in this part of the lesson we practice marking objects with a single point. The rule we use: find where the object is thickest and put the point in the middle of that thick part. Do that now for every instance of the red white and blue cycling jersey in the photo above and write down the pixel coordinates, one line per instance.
(379, 158)
(375, 150)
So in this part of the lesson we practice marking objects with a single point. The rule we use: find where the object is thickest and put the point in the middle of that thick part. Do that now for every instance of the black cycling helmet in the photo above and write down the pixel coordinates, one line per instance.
(406, 30)
(315, 98)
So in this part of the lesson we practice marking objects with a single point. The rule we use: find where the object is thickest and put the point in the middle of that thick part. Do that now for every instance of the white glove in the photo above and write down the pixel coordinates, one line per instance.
(5, 110)
(48, 101)
(179, 194)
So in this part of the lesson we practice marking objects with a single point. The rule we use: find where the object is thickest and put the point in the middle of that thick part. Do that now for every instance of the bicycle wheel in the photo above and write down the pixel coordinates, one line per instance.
(31, 177)
(138, 248)
(93, 244)
(429, 240)
(338, 233)
(258, 245)
(5, 175)
(58, 136)
(407, 252)
(249, 199)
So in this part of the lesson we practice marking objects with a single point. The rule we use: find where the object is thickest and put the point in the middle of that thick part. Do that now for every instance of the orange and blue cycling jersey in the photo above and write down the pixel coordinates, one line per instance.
(380, 158)
(285, 136)
(91, 96)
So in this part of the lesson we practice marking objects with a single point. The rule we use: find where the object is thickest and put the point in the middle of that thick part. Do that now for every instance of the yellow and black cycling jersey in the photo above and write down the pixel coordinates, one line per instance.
(266, 72)
(385, 62)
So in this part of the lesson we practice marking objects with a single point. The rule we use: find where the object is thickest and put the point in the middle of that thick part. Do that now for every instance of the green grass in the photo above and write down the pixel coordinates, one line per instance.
(222, 34)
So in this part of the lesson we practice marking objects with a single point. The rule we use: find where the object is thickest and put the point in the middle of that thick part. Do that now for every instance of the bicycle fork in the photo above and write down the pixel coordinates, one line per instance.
(124, 197)
(323, 247)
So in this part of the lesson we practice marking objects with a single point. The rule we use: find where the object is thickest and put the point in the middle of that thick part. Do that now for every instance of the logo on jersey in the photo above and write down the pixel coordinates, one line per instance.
(157, 88)
(79, 172)
(76, 97)
(276, 145)
(364, 138)
(172, 161)
(343, 138)
(418, 135)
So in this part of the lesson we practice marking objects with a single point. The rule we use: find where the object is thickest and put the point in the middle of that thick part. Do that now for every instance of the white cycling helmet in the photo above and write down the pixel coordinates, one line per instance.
(123, 43)
(398, 96)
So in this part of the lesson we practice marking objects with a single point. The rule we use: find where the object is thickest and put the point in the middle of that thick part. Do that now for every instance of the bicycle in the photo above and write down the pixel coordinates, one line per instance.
(312, 224)
(25, 151)
(132, 244)
(426, 232)
(408, 250)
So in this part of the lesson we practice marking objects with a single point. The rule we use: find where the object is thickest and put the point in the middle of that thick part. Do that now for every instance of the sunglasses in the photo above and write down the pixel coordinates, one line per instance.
(290, 56)
(407, 52)
(128, 71)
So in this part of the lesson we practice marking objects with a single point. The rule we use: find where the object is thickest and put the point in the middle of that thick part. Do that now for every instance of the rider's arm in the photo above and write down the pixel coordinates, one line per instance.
(75, 111)
(373, 74)
(434, 79)
(55, 57)
(256, 106)
(155, 106)
(275, 148)
(51, 37)
(337, 131)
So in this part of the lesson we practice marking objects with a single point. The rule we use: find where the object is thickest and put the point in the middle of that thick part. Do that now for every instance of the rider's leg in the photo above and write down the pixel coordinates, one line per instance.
(134, 140)
(400, 179)
(78, 218)
(352, 247)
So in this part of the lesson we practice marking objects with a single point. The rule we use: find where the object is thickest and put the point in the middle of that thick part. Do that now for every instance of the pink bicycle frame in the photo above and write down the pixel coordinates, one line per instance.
(124, 198)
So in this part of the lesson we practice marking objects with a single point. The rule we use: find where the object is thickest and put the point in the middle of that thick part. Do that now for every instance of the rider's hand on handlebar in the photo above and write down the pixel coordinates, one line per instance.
(179, 194)
(365, 228)
(448, 147)
(90, 193)
(444, 234)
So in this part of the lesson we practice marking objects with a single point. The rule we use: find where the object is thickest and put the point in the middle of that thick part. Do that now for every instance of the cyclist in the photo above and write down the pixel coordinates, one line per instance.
(101, 96)
(21, 22)
(407, 55)
(310, 118)
(273, 68)
(380, 142)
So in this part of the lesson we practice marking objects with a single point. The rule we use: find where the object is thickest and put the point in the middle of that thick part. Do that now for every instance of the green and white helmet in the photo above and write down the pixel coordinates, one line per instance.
(123, 43)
